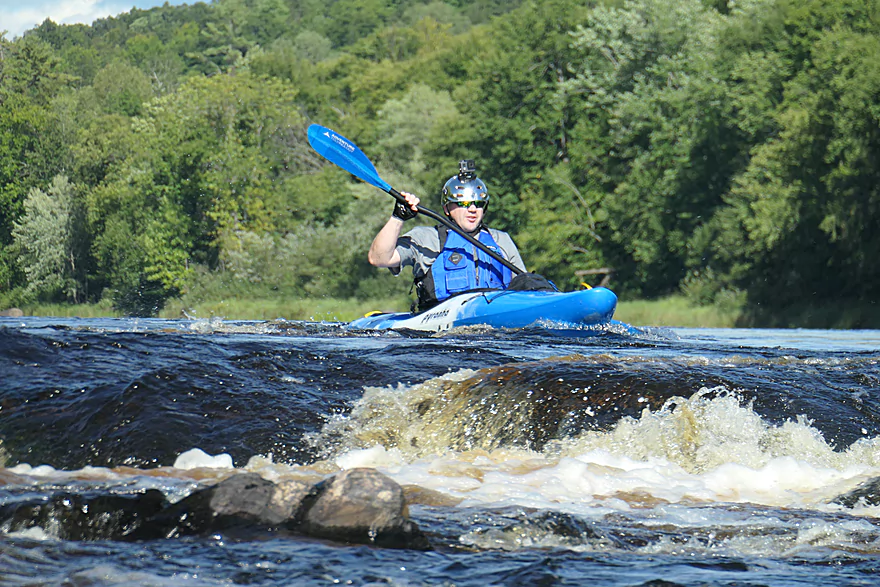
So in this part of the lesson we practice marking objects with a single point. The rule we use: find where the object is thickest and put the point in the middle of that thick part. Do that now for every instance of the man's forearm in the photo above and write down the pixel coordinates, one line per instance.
(384, 248)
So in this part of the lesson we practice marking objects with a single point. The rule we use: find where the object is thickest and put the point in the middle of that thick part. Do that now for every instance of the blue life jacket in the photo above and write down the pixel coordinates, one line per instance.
(455, 271)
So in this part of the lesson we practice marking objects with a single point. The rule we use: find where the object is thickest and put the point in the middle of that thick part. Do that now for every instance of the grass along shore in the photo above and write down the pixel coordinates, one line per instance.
(316, 310)
(669, 311)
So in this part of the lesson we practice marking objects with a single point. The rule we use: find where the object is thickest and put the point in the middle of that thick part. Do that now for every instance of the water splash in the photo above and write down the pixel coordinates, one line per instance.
(484, 437)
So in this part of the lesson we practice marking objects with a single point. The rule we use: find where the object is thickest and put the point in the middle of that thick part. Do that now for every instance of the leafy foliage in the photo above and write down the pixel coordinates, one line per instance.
(724, 150)
(49, 239)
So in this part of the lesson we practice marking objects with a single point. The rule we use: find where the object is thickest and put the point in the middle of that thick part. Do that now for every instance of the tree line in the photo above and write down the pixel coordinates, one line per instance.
(726, 150)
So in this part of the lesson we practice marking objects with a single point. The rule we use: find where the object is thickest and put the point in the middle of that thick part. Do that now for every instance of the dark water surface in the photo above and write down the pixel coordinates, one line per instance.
(531, 457)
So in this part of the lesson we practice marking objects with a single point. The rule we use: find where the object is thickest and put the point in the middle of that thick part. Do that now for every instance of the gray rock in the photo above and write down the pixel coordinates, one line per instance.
(12, 313)
(362, 506)
(288, 499)
(358, 506)
(867, 493)
(242, 501)
(251, 497)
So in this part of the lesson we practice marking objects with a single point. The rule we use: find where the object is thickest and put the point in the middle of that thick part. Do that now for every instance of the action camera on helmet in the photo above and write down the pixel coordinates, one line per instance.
(467, 169)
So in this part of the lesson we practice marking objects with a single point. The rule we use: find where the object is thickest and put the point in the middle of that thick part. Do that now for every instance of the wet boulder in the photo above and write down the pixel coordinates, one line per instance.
(240, 502)
(362, 506)
(867, 493)
(359, 506)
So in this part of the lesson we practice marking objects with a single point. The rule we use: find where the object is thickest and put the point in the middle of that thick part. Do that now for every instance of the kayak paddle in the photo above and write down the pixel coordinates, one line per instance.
(342, 152)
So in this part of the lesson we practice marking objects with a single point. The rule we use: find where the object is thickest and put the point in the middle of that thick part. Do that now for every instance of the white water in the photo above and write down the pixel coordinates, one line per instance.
(683, 467)
(708, 448)
(699, 449)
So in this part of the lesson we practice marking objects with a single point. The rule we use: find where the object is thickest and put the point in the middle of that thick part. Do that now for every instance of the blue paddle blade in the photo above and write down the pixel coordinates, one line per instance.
(342, 152)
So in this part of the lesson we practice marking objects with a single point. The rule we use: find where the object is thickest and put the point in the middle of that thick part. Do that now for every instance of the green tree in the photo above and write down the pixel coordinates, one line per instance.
(651, 131)
(513, 127)
(561, 236)
(355, 19)
(29, 148)
(122, 89)
(409, 125)
(440, 12)
(312, 46)
(799, 218)
(503, 80)
(160, 62)
(237, 27)
(49, 238)
(208, 160)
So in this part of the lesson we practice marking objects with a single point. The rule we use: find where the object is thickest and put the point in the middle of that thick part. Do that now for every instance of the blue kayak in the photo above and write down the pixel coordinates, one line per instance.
(504, 309)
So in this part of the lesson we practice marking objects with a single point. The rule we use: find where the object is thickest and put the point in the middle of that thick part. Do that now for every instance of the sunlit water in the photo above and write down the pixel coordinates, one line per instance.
(535, 457)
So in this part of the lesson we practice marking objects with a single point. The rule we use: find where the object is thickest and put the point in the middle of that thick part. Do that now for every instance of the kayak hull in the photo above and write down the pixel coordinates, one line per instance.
(503, 309)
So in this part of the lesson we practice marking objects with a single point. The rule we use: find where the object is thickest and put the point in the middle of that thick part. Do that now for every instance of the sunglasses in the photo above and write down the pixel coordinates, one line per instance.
(477, 203)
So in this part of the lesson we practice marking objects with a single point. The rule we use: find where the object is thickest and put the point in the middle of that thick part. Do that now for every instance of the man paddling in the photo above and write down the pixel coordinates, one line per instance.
(443, 262)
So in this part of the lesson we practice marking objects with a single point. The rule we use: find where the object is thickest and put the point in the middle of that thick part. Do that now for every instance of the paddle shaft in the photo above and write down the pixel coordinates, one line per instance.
(453, 226)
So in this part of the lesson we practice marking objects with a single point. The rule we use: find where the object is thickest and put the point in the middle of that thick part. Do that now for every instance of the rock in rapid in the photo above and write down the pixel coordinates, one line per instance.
(360, 506)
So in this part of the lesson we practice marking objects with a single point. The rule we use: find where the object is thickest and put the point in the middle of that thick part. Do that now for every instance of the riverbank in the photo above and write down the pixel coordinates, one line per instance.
(315, 310)
(670, 311)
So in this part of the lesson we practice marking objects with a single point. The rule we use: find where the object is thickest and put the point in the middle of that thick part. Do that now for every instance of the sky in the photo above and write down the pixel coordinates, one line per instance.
(17, 16)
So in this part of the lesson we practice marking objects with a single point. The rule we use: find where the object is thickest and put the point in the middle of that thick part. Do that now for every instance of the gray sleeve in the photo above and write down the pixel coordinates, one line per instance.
(418, 248)
(510, 251)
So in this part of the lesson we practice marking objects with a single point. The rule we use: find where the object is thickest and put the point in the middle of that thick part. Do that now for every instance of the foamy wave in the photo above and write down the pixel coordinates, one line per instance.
(709, 447)
(714, 427)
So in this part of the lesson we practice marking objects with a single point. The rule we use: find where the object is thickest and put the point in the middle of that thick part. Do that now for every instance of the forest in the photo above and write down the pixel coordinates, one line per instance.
(726, 151)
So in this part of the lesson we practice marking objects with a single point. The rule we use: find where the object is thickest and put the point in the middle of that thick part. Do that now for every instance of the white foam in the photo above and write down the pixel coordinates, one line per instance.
(196, 458)
(580, 485)
(38, 471)
(710, 447)
(34, 533)
(377, 456)
(47, 471)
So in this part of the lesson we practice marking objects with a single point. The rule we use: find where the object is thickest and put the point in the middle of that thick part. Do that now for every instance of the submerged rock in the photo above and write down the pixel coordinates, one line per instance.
(359, 506)
(73, 516)
(867, 493)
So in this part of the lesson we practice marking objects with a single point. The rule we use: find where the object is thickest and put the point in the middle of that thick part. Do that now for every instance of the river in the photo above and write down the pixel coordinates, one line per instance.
(533, 457)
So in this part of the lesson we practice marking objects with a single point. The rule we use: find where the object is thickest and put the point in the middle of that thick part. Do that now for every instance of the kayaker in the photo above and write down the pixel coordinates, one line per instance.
(443, 262)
